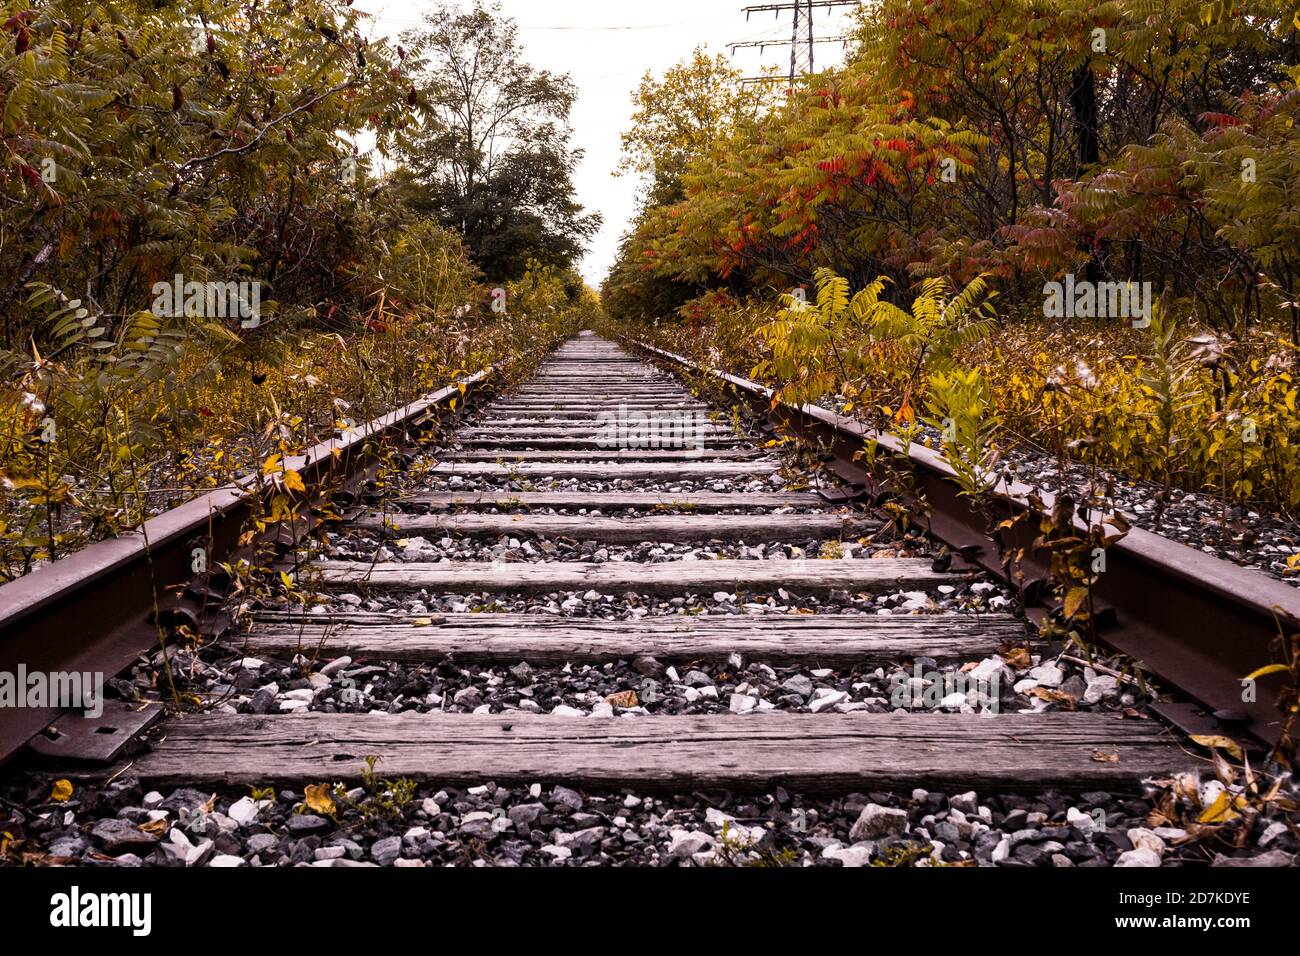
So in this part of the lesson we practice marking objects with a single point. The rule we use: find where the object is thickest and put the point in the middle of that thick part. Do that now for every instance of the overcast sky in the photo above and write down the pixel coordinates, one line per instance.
(606, 46)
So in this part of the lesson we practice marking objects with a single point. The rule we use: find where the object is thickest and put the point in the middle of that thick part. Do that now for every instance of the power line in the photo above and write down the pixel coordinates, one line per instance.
(800, 8)
(778, 7)
(773, 41)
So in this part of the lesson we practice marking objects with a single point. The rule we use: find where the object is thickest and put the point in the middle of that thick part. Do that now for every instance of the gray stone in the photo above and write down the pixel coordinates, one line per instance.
(300, 824)
(647, 666)
(119, 836)
(68, 847)
(385, 851)
(526, 814)
(586, 839)
(262, 843)
(480, 828)
(798, 684)
(965, 802)
(876, 822)
(522, 673)
(564, 797)
(686, 844)
(342, 864)
(334, 666)
(1100, 688)
(468, 697)
(947, 832)
(1141, 857)
(184, 799)
(199, 855)
(1074, 687)
(1029, 854)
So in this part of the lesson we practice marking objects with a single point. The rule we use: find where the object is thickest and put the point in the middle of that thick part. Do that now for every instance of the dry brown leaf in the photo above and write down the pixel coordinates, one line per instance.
(1054, 697)
(1018, 657)
(1102, 757)
(624, 699)
(156, 827)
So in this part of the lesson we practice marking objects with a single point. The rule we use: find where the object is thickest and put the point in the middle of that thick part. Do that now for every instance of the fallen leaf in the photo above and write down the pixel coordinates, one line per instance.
(318, 799)
(156, 827)
(1018, 657)
(1223, 743)
(1102, 757)
(62, 791)
(1220, 811)
(1054, 697)
(624, 699)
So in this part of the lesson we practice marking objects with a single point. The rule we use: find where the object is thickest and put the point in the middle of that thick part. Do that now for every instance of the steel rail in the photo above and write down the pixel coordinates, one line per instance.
(96, 610)
(1201, 624)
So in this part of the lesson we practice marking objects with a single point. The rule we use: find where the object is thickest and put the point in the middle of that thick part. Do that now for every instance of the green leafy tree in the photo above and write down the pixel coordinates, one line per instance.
(490, 156)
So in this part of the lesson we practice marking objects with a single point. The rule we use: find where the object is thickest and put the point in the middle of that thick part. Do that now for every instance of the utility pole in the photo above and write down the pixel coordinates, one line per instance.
(811, 40)
(794, 42)
(799, 8)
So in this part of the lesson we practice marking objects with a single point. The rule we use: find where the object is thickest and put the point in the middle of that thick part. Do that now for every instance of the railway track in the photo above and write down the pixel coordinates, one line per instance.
(602, 621)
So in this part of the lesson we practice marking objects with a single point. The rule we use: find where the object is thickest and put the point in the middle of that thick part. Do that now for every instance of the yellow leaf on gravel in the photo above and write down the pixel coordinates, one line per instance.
(318, 799)
(62, 791)
(1055, 697)
(156, 827)
(1223, 743)
(1018, 657)
(624, 699)
(1220, 811)
(293, 482)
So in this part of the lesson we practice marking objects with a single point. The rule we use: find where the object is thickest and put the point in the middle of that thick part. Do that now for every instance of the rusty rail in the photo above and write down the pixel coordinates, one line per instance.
(1200, 623)
(96, 610)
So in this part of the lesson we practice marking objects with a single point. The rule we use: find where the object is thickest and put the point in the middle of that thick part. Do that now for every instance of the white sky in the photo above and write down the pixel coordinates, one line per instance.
(606, 47)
